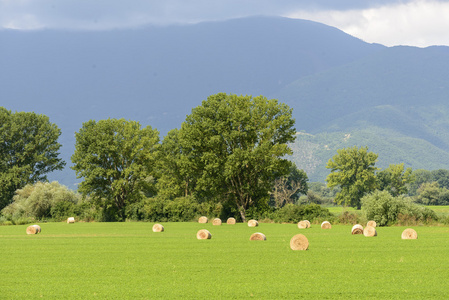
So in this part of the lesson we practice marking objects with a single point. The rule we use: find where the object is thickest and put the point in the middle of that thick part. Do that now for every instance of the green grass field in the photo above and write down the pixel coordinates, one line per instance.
(129, 261)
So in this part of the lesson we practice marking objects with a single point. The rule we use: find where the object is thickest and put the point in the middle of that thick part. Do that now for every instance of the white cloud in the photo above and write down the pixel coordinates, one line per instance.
(418, 23)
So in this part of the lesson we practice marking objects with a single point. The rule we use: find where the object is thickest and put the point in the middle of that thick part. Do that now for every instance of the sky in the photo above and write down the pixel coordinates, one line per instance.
(418, 23)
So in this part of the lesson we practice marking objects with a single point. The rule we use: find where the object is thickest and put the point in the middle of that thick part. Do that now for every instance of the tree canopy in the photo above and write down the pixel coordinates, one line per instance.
(353, 170)
(236, 146)
(29, 150)
(395, 179)
(115, 158)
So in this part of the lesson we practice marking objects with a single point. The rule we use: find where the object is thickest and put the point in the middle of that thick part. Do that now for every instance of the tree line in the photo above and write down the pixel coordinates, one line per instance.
(229, 151)
(228, 157)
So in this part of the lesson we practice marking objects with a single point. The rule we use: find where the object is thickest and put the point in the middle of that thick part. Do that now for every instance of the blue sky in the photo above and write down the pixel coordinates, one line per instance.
(403, 22)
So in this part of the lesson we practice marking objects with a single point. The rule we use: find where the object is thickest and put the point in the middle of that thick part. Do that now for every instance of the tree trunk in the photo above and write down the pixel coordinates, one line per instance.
(242, 212)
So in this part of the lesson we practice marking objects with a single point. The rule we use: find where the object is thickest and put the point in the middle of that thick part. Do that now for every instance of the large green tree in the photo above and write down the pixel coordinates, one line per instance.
(353, 170)
(237, 146)
(29, 150)
(115, 158)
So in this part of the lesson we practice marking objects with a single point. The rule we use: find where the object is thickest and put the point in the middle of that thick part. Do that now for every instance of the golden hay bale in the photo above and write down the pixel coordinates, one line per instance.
(369, 231)
(302, 225)
(230, 221)
(257, 237)
(371, 223)
(203, 234)
(357, 229)
(203, 220)
(308, 223)
(409, 234)
(253, 223)
(326, 225)
(158, 228)
(299, 242)
(71, 220)
(216, 221)
(33, 229)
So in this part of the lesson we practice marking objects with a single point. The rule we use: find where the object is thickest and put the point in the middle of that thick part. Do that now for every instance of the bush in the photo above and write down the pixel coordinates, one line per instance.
(292, 213)
(42, 201)
(385, 209)
(163, 209)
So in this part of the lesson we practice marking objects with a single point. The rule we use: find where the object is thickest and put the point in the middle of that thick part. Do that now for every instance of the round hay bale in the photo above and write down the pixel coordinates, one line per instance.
(33, 229)
(71, 220)
(253, 223)
(230, 221)
(371, 223)
(203, 220)
(409, 234)
(308, 223)
(299, 242)
(257, 236)
(326, 225)
(203, 234)
(369, 231)
(302, 225)
(158, 228)
(357, 229)
(216, 221)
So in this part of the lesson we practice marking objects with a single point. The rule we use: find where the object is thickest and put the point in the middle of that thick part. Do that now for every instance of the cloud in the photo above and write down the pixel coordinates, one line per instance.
(417, 23)
(389, 22)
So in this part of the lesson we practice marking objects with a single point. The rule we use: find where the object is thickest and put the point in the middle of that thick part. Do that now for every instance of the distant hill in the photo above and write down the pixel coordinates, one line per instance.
(343, 91)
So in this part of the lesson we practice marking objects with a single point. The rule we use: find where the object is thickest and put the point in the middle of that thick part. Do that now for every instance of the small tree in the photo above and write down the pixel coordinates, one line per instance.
(115, 158)
(395, 179)
(286, 189)
(352, 169)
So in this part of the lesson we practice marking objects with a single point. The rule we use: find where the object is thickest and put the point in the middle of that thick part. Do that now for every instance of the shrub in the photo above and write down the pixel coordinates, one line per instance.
(292, 213)
(385, 209)
(42, 200)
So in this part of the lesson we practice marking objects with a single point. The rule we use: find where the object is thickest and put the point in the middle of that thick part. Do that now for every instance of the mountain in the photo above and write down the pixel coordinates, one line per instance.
(393, 101)
(343, 91)
(156, 75)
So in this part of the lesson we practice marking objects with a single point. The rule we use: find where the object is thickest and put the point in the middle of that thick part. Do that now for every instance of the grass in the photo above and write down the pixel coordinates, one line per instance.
(129, 261)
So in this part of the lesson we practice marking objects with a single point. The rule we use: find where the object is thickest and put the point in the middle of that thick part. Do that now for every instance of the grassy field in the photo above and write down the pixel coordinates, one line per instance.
(129, 261)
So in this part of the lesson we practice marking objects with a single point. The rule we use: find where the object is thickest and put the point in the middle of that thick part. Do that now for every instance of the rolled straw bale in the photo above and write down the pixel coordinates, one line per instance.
(326, 225)
(158, 228)
(357, 229)
(71, 220)
(230, 221)
(371, 223)
(33, 229)
(257, 236)
(203, 220)
(216, 221)
(203, 234)
(369, 231)
(308, 223)
(409, 234)
(302, 225)
(253, 223)
(299, 242)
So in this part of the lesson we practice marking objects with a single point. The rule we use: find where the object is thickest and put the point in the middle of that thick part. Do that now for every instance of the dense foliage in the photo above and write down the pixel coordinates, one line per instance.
(43, 200)
(28, 151)
(115, 158)
(353, 170)
(386, 209)
(235, 148)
